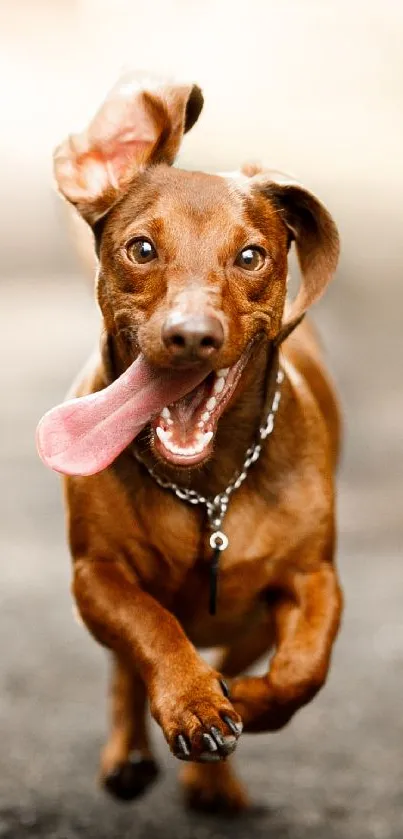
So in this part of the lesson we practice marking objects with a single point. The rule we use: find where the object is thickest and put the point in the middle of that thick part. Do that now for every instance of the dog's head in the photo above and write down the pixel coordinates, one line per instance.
(192, 266)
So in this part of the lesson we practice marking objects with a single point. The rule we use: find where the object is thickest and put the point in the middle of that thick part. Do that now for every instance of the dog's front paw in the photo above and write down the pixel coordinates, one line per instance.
(197, 718)
(261, 710)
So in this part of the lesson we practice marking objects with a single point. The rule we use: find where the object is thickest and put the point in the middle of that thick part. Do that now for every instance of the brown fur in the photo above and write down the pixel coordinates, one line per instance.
(141, 555)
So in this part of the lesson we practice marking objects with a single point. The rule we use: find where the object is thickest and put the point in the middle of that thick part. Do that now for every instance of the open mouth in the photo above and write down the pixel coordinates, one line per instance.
(183, 432)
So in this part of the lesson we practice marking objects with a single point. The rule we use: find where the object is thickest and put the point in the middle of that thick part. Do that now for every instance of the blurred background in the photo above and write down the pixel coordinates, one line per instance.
(311, 87)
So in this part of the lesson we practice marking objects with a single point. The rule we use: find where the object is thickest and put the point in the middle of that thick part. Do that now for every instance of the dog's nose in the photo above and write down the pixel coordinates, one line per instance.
(192, 337)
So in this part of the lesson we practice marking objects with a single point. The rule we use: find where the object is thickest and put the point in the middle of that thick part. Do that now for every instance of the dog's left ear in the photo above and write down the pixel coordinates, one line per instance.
(140, 123)
(315, 234)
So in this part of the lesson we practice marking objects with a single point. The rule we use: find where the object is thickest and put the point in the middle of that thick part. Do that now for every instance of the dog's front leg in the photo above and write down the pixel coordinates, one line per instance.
(187, 697)
(306, 621)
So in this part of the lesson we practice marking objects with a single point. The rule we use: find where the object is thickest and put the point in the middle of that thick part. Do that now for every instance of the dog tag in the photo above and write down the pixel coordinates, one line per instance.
(218, 542)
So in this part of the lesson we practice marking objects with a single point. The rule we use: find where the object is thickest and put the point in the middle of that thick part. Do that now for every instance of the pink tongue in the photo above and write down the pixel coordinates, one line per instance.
(83, 436)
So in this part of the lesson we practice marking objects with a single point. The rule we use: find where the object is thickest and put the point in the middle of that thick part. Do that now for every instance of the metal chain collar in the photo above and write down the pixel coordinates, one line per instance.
(217, 507)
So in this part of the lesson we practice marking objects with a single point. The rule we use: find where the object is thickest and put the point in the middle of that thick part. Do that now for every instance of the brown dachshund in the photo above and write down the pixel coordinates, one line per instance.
(200, 457)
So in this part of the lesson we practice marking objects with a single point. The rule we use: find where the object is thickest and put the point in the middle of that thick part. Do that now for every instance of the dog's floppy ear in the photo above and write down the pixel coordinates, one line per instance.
(138, 124)
(315, 234)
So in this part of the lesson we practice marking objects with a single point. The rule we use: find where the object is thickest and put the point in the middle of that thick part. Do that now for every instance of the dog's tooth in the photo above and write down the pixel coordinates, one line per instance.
(223, 372)
(219, 385)
(166, 413)
(207, 437)
(205, 416)
(212, 402)
(169, 421)
(187, 451)
(200, 424)
(161, 434)
(199, 443)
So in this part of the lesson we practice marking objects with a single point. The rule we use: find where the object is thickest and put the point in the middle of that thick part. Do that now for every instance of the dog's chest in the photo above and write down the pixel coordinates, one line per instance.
(240, 599)
(167, 543)
(179, 570)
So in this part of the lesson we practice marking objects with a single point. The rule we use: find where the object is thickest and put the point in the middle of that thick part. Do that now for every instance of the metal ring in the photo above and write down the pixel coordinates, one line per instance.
(218, 541)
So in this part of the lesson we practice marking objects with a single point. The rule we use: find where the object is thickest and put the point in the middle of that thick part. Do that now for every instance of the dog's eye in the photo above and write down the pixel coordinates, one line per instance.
(251, 259)
(141, 251)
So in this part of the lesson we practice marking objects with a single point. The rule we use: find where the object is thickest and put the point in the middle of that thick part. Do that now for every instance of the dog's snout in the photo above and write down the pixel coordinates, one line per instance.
(192, 337)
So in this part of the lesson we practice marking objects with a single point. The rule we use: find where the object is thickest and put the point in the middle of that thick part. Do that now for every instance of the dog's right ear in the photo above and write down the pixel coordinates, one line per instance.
(137, 125)
(311, 226)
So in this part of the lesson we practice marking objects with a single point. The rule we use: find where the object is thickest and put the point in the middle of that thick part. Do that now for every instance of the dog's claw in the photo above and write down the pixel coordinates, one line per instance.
(226, 745)
(218, 737)
(182, 747)
(225, 688)
(235, 727)
(209, 743)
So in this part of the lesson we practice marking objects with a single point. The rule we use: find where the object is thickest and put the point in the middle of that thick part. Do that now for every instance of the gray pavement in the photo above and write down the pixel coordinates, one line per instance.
(337, 771)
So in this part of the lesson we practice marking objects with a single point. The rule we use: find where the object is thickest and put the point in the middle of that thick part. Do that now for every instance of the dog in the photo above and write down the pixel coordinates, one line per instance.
(200, 446)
